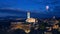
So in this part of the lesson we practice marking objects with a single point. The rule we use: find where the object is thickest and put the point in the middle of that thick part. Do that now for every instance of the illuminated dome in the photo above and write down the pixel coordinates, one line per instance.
(31, 20)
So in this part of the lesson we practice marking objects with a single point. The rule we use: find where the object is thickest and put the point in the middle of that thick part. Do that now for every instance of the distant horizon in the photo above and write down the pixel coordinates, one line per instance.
(5, 13)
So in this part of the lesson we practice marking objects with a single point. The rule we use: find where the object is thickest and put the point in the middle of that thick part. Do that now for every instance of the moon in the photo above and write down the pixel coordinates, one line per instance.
(47, 7)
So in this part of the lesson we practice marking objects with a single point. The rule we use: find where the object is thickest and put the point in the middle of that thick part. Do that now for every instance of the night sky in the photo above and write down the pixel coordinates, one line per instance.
(38, 6)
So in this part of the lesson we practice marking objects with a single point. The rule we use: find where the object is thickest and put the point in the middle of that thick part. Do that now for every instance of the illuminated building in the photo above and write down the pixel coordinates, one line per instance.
(30, 20)
(19, 25)
(25, 27)
(55, 26)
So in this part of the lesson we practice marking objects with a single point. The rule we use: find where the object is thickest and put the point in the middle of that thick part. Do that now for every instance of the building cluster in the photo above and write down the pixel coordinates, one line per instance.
(30, 23)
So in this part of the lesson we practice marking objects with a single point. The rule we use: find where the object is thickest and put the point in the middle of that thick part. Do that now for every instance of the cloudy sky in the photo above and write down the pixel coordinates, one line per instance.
(29, 4)
(32, 5)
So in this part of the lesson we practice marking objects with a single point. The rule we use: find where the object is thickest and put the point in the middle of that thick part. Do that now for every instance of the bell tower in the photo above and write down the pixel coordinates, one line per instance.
(28, 14)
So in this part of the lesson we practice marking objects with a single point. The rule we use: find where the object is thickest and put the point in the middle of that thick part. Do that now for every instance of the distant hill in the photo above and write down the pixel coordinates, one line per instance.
(23, 14)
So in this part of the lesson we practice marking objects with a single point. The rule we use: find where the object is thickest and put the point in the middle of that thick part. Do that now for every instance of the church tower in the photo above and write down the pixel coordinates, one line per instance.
(28, 14)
